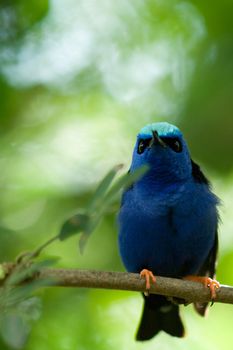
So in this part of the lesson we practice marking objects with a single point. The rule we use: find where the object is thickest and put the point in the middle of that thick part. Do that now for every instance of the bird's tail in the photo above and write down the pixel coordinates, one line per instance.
(159, 314)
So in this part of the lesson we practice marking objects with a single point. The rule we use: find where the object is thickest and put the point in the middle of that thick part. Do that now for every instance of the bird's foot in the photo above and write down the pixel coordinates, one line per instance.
(149, 277)
(208, 282)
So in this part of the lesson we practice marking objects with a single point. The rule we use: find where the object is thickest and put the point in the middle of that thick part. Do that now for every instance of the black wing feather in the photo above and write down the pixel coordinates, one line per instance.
(198, 174)
(209, 266)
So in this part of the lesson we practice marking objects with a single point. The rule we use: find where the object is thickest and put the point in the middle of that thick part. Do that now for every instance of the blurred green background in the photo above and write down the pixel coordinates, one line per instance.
(78, 79)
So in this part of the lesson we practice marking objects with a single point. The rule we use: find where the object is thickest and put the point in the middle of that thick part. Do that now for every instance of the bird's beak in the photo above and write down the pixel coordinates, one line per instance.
(156, 140)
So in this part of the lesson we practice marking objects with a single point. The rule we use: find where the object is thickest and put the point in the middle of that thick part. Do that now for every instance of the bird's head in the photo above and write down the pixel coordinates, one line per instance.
(163, 148)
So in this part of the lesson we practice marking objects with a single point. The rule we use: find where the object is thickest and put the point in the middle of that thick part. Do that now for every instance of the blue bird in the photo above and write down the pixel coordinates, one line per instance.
(168, 225)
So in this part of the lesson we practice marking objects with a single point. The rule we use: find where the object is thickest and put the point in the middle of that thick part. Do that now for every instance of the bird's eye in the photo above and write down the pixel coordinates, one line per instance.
(174, 143)
(142, 145)
(177, 146)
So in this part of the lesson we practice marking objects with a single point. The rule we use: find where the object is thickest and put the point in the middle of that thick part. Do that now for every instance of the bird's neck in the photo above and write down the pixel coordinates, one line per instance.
(162, 180)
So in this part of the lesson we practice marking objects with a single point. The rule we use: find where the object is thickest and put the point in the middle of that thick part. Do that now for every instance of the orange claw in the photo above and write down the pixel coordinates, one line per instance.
(207, 282)
(148, 275)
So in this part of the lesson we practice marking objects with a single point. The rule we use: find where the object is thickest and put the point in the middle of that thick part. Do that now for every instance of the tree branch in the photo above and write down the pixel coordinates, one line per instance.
(171, 287)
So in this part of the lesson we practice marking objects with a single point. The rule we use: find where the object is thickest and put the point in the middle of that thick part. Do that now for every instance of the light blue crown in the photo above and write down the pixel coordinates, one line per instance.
(164, 130)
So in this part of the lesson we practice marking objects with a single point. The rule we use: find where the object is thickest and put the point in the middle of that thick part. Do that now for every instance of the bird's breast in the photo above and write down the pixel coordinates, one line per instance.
(164, 235)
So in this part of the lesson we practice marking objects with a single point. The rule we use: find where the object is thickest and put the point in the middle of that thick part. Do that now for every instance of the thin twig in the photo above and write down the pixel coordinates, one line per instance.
(171, 287)
(38, 250)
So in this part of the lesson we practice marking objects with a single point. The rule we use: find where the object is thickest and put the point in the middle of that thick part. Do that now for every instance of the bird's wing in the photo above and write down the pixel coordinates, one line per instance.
(209, 266)
(208, 269)
(198, 174)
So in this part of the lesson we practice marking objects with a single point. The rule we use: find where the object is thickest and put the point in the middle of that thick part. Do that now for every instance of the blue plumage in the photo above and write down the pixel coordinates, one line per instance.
(168, 219)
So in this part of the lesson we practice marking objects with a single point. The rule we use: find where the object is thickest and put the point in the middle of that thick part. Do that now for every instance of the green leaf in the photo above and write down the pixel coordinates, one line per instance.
(125, 181)
(17, 294)
(16, 319)
(76, 224)
(87, 221)
(102, 188)
(14, 330)
(94, 222)
(31, 308)
(15, 291)
(21, 273)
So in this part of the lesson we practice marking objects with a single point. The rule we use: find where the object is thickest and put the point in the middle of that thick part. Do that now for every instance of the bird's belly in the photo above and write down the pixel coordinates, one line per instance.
(144, 245)
(154, 244)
